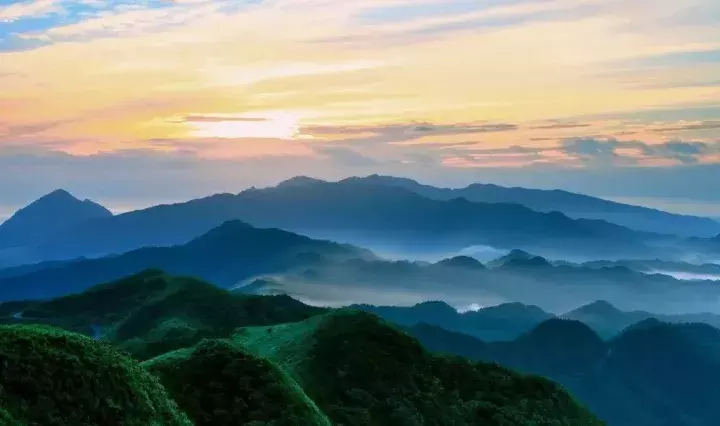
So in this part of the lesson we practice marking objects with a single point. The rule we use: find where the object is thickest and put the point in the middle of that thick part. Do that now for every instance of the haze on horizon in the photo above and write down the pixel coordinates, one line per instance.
(134, 103)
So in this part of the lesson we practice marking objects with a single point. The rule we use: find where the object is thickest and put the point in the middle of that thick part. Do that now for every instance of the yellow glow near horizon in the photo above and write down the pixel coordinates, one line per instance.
(109, 82)
(282, 126)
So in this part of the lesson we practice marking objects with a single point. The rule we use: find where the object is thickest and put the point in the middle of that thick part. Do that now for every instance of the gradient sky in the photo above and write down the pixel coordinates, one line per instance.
(134, 103)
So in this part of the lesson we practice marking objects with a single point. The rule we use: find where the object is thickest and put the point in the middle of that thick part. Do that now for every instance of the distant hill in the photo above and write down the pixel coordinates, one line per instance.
(655, 266)
(226, 255)
(535, 281)
(355, 211)
(52, 214)
(652, 374)
(571, 204)
(495, 323)
(609, 321)
(519, 259)
(56, 378)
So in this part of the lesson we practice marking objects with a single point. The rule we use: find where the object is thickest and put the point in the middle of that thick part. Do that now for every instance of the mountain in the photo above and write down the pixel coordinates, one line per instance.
(218, 383)
(374, 216)
(571, 204)
(504, 322)
(226, 255)
(264, 360)
(52, 214)
(150, 313)
(361, 371)
(519, 259)
(55, 378)
(606, 319)
(609, 321)
(461, 262)
(685, 270)
(652, 374)
(554, 287)
(495, 323)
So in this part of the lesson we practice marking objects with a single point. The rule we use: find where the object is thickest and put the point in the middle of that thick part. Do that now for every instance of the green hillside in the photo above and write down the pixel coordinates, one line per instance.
(151, 313)
(52, 377)
(218, 383)
(281, 363)
(362, 371)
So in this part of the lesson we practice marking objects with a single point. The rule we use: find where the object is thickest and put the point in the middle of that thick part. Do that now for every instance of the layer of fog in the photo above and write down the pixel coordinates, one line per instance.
(337, 286)
(688, 276)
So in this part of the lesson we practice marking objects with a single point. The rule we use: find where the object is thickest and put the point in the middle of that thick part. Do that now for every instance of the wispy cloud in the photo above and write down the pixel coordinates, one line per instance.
(401, 85)
(29, 9)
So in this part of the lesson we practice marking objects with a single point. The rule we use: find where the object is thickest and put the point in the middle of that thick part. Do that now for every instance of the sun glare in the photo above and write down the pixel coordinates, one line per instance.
(282, 126)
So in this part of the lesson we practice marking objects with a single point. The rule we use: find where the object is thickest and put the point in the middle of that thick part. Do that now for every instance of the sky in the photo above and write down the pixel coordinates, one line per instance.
(135, 103)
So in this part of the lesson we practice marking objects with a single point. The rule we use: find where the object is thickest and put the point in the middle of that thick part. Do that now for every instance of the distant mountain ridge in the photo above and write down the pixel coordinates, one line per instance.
(509, 321)
(230, 253)
(53, 213)
(355, 211)
(571, 204)
(651, 374)
(496, 323)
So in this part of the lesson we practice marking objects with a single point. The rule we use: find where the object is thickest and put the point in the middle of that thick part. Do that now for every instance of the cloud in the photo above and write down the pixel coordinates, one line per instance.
(29, 9)
(216, 119)
(703, 125)
(615, 152)
(346, 157)
(10, 130)
(560, 125)
(403, 133)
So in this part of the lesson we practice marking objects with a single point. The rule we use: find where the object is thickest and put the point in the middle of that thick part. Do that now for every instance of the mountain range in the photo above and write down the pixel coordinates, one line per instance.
(228, 358)
(211, 357)
(651, 374)
(228, 254)
(377, 213)
(571, 204)
(516, 277)
(509, 321)
(322, 272)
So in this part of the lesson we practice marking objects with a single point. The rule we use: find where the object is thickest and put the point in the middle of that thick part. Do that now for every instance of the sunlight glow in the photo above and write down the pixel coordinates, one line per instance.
(282, 126)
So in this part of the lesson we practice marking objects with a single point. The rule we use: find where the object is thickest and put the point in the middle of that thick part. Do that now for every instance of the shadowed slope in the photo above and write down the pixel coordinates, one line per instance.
(226, 255)
(52, 377)
(361, 371)
(53, 213)
(217, 383)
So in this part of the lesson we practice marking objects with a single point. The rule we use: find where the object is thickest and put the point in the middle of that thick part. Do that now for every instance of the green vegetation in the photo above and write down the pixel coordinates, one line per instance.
(230, 359)
(151, 313)
(652, 374)
(362, 371)
(53, 377)
(218, 383)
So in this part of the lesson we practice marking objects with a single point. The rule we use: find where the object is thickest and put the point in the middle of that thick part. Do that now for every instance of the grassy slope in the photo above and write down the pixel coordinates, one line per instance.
(218, 383)
(151, 313)
(362, 371)
(53, 377)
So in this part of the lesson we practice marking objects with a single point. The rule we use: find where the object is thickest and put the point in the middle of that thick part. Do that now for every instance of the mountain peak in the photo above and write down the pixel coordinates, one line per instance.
(558, 330)
(461, 262)
(600, 307)
(299, 181)
(58, 194)
(50, 214)
(519, 258)
(227, 231)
